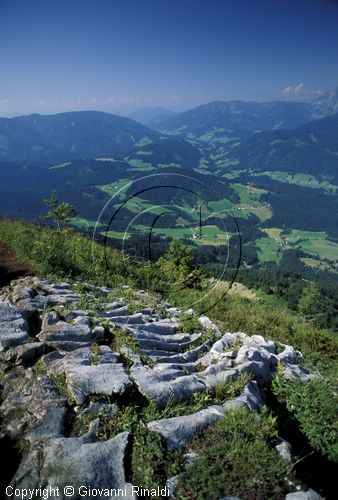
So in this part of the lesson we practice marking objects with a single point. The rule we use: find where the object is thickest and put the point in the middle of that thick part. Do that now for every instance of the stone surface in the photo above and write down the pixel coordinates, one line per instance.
(32, 407)
(26, 354)
(78, 374)
(284, 450)
(66, 332)
(177, 432)
(91, 373)
(303, 495)
(171, 485)
(13, 326)
(76, 462)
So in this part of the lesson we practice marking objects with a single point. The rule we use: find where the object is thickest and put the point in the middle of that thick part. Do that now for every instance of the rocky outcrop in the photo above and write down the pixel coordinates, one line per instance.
(88, 374)
(13, 326)
(76, 465)
(64, 358)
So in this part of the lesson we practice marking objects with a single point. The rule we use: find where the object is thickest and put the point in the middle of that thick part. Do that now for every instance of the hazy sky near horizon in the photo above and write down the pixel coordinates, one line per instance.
(118, 55)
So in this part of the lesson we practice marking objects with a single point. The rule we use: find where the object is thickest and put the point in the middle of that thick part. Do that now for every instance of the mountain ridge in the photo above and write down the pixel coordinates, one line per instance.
(70, 135)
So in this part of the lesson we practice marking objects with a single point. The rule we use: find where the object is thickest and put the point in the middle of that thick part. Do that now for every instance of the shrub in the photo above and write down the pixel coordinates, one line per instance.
(315, 407)
(236, 457)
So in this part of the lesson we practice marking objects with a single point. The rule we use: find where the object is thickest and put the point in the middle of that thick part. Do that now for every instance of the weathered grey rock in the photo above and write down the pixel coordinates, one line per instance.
(166, 347)
(165, 327)
(156, 388)
(66, 332)
(82, 320)
(209, 325)
(259, 341)
(297, 371)
(120, 311)
(30, 307)
(252, 396)
(230, 498)
(21, 292)
(76, 462)
(13, 326)
(174, 311)
(49, 318)
(89, 373)
(28, 473)
(26, 354)
(303, 495)
(148, 311)
(71, 315)
(95, 407)
(101, 290)
(216, 374)
(132, 319)
(66, 346)
(284, 449)
(289, 355)
(189, 458)
(177, 432)
(32, 408)
(139, 332)
(256, 360)
(186, 357)
(179, 364)
(111, 306)
(62, 298)
(171, 486)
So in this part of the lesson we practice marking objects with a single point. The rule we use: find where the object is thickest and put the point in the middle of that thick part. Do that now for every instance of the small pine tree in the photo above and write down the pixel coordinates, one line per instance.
(176, 266)
(309, 300)
(59, 212)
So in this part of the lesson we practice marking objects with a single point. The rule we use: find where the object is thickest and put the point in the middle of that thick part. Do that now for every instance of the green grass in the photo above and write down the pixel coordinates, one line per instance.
(66, 254)
(315, 407)
(119, 235)
(140, 165)
(316, 263)
(236, 457)
(312, 242)
(220, 205)
(82, 223)
(61, 165)
(300, 179)
(268, 250)
(250, 201)
(115, 187)
(211, 235)
(323, 248)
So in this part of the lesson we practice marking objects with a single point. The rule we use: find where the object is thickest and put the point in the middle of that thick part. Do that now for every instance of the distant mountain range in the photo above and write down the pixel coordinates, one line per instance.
(248, 159)
(93, 134)
(311, 148)
(236, 118)
(151, 116)
(326, 104)
(66, 136)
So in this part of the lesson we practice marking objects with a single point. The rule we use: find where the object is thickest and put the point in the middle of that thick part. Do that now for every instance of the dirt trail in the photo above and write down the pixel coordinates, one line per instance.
(10, 266)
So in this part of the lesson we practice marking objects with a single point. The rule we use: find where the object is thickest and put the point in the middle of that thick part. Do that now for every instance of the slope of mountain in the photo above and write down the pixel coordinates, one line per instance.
(149, 115)
(312, 149)
(235, 118)
(65, 136)
(168, 151)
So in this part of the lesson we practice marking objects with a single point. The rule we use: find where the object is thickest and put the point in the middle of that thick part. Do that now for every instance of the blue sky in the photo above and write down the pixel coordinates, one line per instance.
(118, 55)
